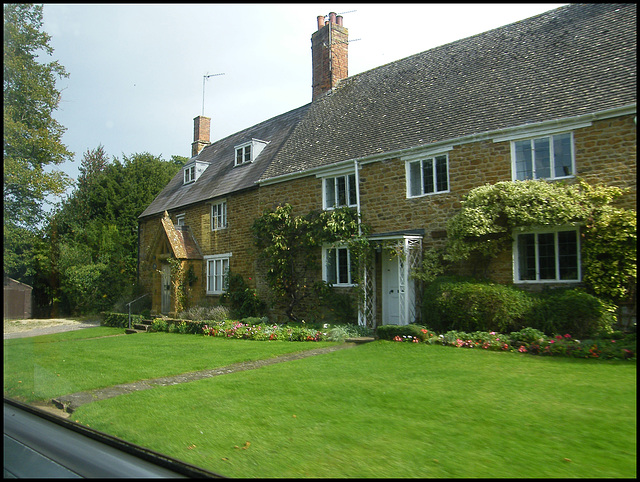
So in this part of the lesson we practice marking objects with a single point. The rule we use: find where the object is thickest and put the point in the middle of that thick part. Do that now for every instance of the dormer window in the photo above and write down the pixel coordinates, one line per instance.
(189, 174)
(249, 151)
(193, 170)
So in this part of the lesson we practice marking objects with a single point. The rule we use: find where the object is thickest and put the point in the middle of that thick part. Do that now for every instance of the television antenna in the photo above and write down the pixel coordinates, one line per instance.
(204, 78)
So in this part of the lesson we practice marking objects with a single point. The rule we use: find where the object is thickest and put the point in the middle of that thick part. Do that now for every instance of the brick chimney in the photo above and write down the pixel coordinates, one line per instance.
(329, 54)
(201, 133)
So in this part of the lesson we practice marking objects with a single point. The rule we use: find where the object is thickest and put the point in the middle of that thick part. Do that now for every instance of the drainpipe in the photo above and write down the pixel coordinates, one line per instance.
(361, 316)
(357, 169)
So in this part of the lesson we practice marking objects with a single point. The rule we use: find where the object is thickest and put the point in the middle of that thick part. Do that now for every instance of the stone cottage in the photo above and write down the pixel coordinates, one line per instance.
(550, 97)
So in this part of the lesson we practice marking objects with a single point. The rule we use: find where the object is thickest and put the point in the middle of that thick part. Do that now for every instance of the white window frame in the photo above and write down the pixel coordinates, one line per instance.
(217, 281)
(420, 161)
(249, 151)
(551, 149)
(326, 254)
(219, 215)
(180, 219)
(333, 183)
(537, 233)
(190, 174)
(243, 150)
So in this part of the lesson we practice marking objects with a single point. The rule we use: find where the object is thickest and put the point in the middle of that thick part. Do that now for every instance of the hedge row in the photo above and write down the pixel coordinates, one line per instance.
(471, 305)
(119, 320)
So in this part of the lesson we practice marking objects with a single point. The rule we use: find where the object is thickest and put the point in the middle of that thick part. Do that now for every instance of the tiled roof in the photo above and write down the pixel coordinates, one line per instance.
(573, 60)
(183, 244)
(221, 177)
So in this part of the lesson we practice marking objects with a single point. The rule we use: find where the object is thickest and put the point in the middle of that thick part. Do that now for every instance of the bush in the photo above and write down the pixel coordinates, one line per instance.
(120, 320)
(403, 332)
(243, 301)
(209, 313)
(470, 305)
(159, 324)
(571, 311)
(464, 304)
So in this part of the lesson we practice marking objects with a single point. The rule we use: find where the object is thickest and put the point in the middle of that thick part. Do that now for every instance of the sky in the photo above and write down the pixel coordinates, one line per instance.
(136, 71)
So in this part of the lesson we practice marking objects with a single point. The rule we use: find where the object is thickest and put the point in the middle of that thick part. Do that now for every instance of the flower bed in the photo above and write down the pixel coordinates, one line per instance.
(614, 346)
(272, 332)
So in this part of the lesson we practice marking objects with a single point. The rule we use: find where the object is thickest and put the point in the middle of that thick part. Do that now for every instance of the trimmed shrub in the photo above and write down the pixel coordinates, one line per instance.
(404, 332)
(465, 304)
(571, 311)
(119, 320)
(209, 313)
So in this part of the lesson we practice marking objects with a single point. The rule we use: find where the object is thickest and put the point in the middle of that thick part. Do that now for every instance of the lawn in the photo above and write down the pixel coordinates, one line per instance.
(43, 367)
(383, 409)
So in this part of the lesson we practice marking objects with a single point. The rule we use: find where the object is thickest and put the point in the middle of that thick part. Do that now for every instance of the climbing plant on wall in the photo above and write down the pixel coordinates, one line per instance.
(289, 247)
(490, 213)
(182, 278)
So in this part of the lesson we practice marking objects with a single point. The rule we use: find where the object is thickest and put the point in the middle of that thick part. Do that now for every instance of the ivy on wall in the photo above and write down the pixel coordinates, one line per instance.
(182, 278)
(491, 213)
(289, 247)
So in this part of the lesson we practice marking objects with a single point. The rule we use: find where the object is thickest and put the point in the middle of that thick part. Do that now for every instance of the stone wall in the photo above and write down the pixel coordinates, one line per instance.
(605, 153)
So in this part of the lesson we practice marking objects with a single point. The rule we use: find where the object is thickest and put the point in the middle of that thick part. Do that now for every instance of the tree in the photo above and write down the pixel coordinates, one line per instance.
(95, 230)
(289, 245)
(32, 138)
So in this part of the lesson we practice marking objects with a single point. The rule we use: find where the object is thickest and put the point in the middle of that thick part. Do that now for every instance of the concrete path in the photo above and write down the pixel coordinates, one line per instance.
(69, 403)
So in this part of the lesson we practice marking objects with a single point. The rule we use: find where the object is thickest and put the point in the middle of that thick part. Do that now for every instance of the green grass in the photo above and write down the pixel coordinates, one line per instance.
(387, 410)
(43, 367)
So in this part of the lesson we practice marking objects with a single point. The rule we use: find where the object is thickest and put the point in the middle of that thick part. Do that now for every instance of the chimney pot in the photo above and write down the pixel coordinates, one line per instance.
(329, 55)
(320, 21)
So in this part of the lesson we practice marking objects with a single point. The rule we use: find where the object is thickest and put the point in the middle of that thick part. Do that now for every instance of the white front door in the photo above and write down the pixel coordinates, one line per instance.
(165, 289)
(390, 290)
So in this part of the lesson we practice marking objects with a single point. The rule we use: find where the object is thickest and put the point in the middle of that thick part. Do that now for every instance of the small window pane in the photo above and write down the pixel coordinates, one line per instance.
(238, 156)
(547, 256)
(415, 179)
(247, 154)
(523, 160)
(526, 257)
(441, 173)
(330, 192)
(543, 158)
(427, 169)
(343, 266)
(353, 197)
(331, 266)
(568, 254)
(562, 155)
(342, 190)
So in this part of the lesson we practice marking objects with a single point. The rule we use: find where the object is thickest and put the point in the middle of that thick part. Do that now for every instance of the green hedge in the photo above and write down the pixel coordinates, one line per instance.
(464, 304)
(119, 320)
(407, 332)
(470, 305)
(570, 311)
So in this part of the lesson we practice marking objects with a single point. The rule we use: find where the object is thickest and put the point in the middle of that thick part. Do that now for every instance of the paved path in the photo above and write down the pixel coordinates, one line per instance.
(71, 402)
(27, 328)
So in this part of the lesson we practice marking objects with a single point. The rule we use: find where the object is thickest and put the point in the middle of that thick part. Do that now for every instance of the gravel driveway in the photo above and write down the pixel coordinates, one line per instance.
(35, 327)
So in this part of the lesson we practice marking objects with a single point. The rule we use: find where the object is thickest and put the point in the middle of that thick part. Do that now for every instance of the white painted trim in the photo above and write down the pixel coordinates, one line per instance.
(407, 172)
(553, 177)
(468, 139)
(214, 257)
(541, 131)
(544, 230)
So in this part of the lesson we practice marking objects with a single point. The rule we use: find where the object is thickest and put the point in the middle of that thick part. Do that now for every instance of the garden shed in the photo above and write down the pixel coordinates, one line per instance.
(17, 299)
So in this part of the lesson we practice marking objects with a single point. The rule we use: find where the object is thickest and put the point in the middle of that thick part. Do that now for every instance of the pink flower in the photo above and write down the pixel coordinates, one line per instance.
(567, 335)
(522, 349)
